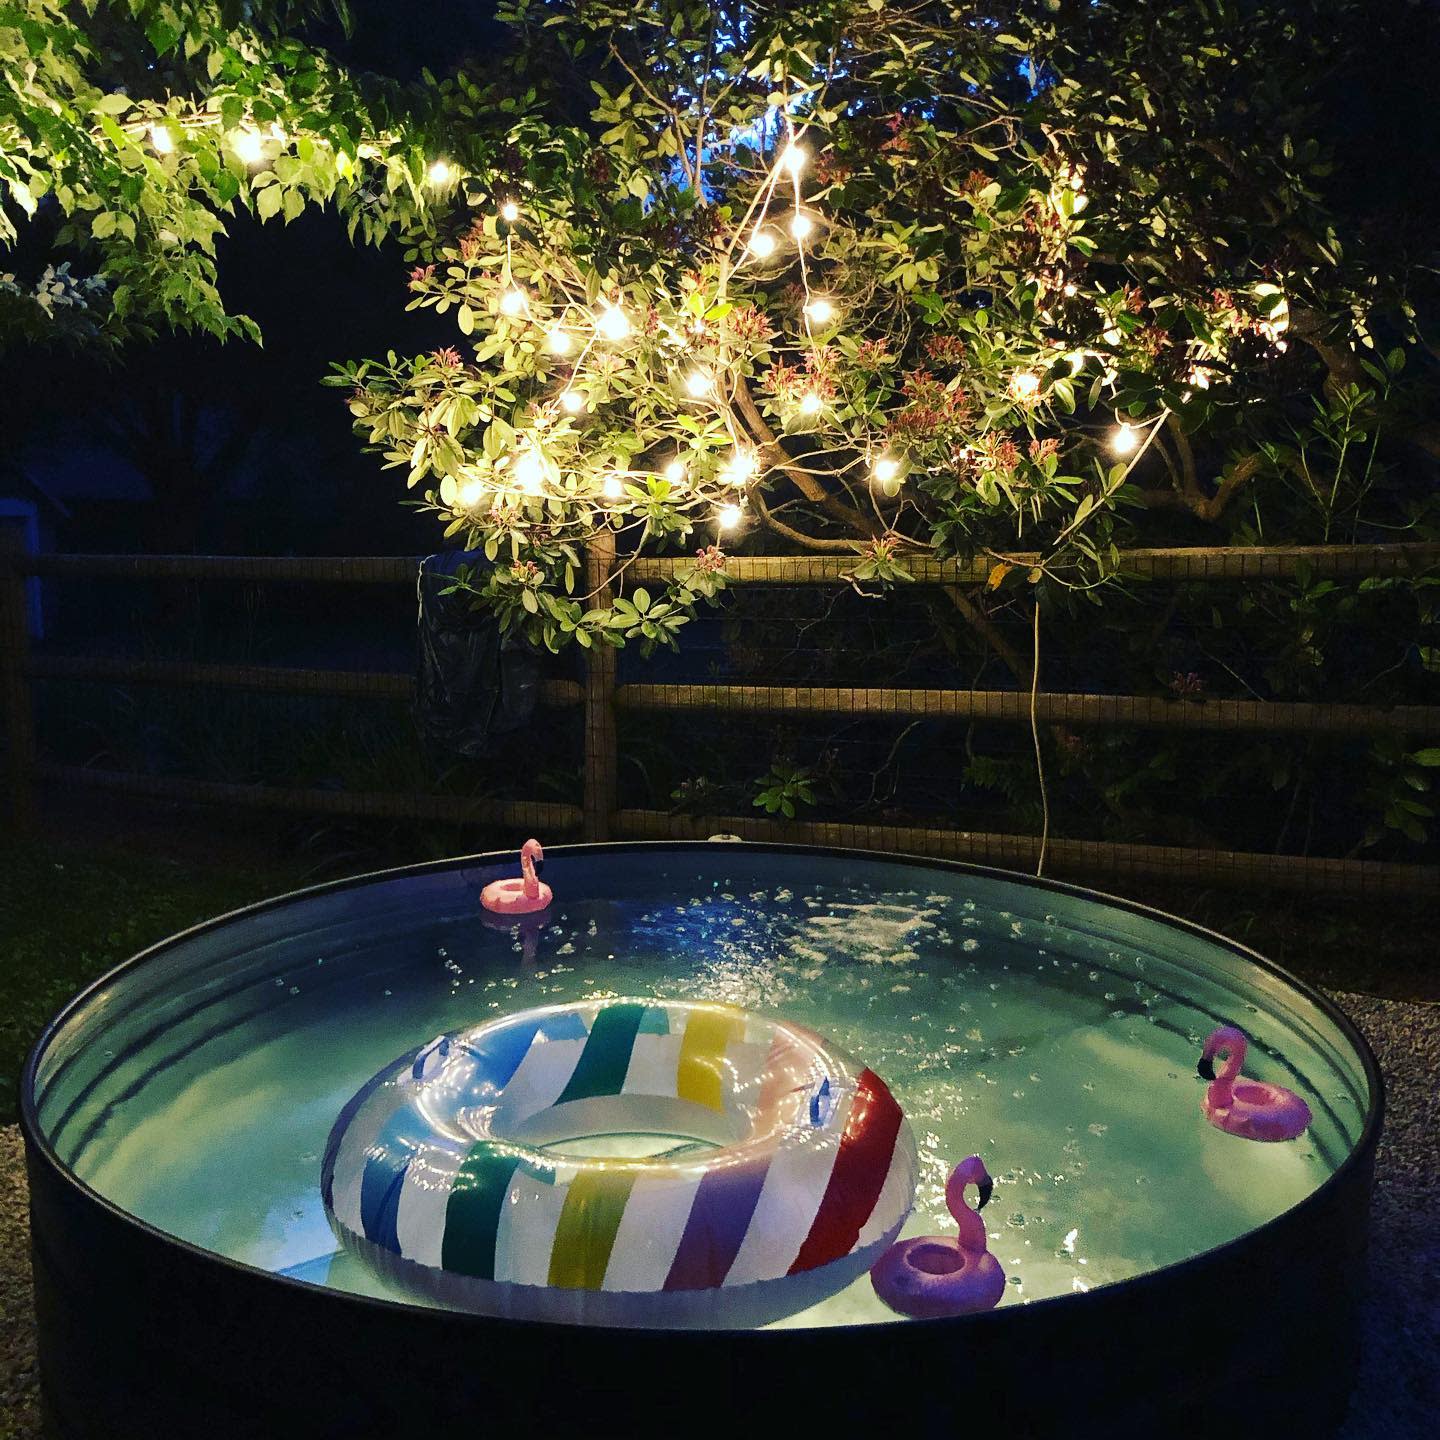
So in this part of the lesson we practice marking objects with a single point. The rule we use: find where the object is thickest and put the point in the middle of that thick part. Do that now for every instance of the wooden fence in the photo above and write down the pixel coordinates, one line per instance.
(598, 815)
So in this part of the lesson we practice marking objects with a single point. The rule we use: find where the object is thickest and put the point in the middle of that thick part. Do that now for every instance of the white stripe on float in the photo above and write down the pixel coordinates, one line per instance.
(650, 1231)
(789, 1201)
(526, 1235)
(420, 1223)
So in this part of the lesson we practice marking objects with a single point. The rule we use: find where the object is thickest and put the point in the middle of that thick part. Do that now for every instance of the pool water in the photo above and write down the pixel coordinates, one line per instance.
(1054, 1034)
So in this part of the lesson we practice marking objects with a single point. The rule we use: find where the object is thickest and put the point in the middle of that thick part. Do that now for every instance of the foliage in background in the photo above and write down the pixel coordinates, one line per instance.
(1066, 276)
(130, 130)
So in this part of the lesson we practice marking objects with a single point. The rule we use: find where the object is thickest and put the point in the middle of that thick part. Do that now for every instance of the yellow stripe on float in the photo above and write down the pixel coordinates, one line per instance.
(585, 1234)
(699, 1076)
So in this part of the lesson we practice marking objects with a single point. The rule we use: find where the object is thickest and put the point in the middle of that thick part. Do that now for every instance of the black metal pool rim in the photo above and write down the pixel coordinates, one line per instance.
(1361, 1154)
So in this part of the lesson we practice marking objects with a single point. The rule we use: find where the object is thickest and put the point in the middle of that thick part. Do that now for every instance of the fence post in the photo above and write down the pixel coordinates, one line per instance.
(601, 742)
(15, 704)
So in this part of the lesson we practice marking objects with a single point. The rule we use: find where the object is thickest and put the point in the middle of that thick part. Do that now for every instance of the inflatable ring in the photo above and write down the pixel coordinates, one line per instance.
(472, 1169)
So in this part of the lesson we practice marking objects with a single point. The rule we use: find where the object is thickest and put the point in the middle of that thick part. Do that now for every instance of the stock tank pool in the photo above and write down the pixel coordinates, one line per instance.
(1160, 1272)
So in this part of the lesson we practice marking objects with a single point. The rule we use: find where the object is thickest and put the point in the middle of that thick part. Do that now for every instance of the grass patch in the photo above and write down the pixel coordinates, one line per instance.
(67, 915)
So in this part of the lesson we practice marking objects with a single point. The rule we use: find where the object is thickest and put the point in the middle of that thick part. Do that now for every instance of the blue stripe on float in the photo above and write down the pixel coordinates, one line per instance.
(499, 1055)
(386, 1159)
(340, 1130)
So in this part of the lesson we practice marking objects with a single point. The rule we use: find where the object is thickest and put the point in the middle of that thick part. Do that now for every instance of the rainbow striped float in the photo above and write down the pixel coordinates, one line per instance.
(462, 1170)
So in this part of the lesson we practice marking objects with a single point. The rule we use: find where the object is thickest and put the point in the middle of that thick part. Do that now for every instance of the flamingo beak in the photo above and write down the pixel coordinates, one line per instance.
(986, 1188)
(1206, 1068)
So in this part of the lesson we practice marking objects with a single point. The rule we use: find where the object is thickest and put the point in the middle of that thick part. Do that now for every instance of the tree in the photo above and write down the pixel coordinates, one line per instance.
(888, 280)
(130, 129)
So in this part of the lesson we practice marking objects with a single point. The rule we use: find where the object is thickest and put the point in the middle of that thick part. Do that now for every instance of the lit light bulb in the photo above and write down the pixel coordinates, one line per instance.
(793, 157)
(559, 342)
(613, 488)
(439, 172)
(1071, 289)
(572, 402)
(248, 146)
(699, 383)
(886, 469)
(471, 492)
(739, 468)
(820, 310)
(613, 323)
(810, 403)
(530, 471)
(161, 139)
(674, 472)
(1124, 440)
(729, 516)
(762, 244)
(1024, 384)
(801, 225)
(509, 212)
(513, 301)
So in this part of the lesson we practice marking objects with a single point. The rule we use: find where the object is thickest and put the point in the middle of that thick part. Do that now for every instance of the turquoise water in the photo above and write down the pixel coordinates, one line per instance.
(1053, 1034)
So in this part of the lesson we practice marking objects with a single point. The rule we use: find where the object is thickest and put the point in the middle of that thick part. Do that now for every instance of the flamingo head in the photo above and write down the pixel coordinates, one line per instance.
(1227, 1042)
(532, 851)
(971, 1171)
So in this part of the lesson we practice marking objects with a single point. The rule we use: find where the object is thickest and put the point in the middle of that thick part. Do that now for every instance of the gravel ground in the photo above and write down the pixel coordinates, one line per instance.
(1398, 1394)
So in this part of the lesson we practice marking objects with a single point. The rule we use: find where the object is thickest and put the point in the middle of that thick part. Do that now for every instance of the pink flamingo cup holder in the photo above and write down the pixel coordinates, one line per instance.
(1252, 1109)
(931, 1276)
(522, 895)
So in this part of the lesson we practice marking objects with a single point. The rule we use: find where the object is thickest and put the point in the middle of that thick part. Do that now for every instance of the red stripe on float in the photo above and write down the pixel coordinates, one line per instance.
(861, 1164)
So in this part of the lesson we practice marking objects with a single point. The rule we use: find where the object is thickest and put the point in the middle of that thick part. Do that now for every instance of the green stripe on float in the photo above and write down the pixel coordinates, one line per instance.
(585, 1235)
(472, 1215)
(606, 1056)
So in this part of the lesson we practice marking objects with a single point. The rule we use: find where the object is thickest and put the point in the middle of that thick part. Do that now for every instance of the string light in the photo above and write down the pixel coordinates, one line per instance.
(471, 492)
(572, 402)
(1071, 289)
(613, 488)
(739, 467)
(674, 471)
(886, 469)
(793, 158)
(440, 172)
(820, 310)
(1024, 384)
(810, 403)
(699, 383)
(513, 301)
(613, 323)
(559, 342)
(729, 516)
(1124, 440)
(801, 225)
(530, 471)
(509, 212)
(762, 244)
(161, 139)
(248, 146)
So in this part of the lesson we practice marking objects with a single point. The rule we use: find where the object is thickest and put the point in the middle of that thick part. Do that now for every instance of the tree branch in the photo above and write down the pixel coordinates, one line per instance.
(803, 481)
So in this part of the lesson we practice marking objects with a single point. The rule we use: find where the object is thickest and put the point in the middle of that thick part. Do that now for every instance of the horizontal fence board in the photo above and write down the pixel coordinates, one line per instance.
(1013, 706)
(523, 814)
(1223, 868)
(1198, 563)
(1182, 563)
(356, 684)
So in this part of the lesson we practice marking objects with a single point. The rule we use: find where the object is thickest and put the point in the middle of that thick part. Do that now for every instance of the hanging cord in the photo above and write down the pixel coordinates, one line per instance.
(1035, 736)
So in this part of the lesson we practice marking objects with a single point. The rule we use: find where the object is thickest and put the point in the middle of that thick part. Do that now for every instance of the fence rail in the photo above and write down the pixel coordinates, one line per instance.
(600, 816)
